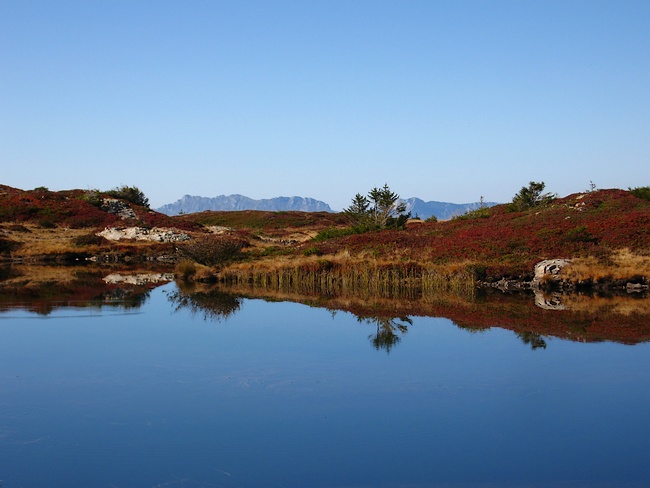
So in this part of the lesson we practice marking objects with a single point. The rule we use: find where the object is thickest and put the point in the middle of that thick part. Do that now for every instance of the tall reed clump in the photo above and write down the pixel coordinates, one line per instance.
(351, 278)
(440, 279)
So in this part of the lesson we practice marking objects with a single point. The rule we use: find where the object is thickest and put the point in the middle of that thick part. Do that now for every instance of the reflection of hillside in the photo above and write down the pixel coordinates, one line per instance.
(43, 289)
(623, 319)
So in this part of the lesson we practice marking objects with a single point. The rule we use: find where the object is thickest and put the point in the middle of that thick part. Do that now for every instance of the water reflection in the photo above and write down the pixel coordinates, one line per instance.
(534, 318)
(388, 330)
(289, 395)
(613, 319)
(45, 289)
(212, 303)
(535, 341)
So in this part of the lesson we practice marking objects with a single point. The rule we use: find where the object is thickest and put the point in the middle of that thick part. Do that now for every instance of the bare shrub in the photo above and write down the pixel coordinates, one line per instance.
(90, 239)
(213, 250)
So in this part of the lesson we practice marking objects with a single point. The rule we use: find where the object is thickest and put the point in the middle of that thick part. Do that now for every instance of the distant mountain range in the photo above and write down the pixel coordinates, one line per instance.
(193, 204)
(442, 210)
(417, 207)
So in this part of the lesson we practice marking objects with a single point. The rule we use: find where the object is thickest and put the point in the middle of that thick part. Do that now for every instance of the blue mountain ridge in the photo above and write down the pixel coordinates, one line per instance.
(416, 206)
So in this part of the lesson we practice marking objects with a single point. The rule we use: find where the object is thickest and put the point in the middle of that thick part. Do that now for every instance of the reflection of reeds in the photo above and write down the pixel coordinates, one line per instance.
(357, 278)
(627, 305)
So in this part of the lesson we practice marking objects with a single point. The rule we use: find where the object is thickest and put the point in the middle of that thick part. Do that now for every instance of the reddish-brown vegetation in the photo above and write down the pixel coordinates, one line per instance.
(493, 243)
(74, 209)
(509, 243)
(600, 321)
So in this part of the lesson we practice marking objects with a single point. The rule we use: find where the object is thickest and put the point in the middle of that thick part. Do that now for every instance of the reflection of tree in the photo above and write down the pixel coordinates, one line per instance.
(387, 330)
(536, 341)
(213, 304)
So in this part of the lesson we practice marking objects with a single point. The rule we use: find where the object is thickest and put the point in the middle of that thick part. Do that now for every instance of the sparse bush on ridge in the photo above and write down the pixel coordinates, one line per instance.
(531, 196)
(93, 197)
(641, 192)
(477, 213)
(381, 209)
(129, 193)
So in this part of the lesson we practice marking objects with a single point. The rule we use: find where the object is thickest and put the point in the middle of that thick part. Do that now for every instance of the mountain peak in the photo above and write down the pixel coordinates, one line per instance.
(193, 204)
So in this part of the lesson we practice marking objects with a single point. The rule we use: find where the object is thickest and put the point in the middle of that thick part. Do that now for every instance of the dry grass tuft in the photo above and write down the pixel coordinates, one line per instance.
(623, 264)
(39, 241)
(344, 274)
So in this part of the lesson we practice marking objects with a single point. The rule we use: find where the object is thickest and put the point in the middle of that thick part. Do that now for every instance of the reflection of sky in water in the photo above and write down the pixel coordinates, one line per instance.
(281, 394)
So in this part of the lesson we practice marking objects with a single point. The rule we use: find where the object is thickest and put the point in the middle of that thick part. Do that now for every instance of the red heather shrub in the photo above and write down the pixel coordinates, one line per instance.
(512, 242)
(211, 250)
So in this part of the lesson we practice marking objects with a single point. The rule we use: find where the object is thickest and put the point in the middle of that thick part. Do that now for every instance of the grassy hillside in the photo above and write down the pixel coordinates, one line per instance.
(588, 224)
(61, 226)
(607, 230)
(74, 209)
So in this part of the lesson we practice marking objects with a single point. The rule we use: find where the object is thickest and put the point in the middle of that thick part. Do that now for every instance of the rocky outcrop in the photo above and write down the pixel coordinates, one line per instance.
(141, 234)
(138, 279)
(119, 208)
(548, 271)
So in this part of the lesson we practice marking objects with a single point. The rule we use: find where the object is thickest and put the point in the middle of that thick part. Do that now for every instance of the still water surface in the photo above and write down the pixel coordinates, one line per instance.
(286, 395)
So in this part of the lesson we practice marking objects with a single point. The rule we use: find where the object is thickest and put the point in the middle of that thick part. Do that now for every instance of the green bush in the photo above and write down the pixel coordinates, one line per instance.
(477, 213)
(641, 192)
(531, 196)
(579, 234)
(131, 194)
(93, 197)
(333, 232)
(312, 251)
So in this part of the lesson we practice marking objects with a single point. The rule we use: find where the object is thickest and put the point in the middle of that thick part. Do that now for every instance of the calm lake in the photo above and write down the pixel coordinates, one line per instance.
(170, 390)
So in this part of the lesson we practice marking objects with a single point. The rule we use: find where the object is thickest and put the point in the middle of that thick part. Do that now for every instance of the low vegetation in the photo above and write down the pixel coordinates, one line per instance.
(131, 194)
(641, 192)
(531, 196)
(381, 209)
(212, 250)
(600, 230)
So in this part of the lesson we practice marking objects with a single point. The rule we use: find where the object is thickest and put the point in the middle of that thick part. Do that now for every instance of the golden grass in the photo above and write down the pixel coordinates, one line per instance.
(39, 241)
(623, 264)
(36, 241)
(346, 274)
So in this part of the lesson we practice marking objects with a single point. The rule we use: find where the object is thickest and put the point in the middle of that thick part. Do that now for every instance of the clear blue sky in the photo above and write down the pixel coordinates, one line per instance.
(442, 100)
